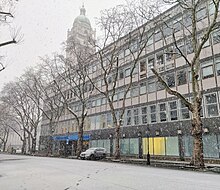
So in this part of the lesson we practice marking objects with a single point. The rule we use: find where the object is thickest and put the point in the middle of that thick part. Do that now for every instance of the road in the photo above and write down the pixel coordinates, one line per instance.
(39, 173)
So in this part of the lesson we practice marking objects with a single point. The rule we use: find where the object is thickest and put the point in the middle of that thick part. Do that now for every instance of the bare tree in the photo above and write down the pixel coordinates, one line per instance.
(69, 79)
(18, 97)
(7, 124)
(198, 40)
(6, 15)
(4, 133)
(45, 95)
(124, 35)
(28, 83)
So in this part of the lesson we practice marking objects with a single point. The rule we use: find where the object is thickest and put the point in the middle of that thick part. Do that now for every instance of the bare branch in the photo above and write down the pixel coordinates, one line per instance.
(172, 92)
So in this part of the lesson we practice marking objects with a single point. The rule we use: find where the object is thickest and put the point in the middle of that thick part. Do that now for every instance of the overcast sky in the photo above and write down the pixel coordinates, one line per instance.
(44, 24)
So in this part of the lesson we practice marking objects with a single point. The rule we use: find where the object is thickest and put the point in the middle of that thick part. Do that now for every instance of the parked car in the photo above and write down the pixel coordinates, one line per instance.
(18, 151)
(93, 153)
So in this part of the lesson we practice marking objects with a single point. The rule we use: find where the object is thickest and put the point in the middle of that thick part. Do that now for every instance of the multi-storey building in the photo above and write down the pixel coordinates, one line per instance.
(154, 120)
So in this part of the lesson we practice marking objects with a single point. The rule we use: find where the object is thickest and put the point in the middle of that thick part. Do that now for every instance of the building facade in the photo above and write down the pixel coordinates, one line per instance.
(155, 121)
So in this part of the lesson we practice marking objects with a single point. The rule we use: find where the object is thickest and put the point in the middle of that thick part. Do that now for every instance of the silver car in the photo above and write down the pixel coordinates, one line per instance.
(93, 153)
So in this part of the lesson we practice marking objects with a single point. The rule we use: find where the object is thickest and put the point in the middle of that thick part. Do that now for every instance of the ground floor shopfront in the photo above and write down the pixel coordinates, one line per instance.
(164, 139)
(178, 146)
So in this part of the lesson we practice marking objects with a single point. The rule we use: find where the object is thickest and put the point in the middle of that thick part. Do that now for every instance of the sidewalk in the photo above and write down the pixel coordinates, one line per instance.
(182, 165)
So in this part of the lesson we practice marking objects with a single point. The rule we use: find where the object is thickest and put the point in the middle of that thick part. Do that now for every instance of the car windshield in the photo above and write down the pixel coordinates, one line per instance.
(90, 149)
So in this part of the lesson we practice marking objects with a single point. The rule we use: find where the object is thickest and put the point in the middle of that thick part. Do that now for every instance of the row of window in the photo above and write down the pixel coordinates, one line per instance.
(174, 110)
(185, 45)
(162, 145)
(160, 58)
(158, 113)
(173, 79)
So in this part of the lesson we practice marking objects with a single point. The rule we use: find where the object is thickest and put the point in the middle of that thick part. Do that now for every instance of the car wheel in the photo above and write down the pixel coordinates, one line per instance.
(92, 157)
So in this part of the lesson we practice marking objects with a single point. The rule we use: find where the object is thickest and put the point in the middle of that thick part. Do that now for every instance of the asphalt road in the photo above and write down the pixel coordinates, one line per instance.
(39, 173)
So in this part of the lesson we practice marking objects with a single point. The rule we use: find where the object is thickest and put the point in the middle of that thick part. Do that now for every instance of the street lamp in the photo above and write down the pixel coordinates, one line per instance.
(111, 144)
(148, 147)
(140, 153)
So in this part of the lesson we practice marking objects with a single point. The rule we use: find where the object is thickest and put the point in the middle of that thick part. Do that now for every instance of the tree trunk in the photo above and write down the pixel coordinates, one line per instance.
(117, 142)
(33, 147)
(80, 140)
(34, 141)
(4, 145)
(197, 157)
(29, 143)
(23, 149)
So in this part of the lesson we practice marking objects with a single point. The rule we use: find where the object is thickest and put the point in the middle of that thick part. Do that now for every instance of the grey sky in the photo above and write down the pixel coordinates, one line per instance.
(44, 25)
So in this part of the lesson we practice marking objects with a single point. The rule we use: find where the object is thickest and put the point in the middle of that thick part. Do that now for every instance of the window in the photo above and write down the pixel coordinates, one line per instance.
(98, 102)
(115, 97)
(153, 116)
(109, 79)
(143, 88)
(189, 47)
(144, 115)
(121, 74)
(200, 37)
(94, 68)
(187, 19)
(216, 36)
(207, 70)
(151, 86)
(121, 55)
(173, 110)
(93, 103)
(99, 83)
(177, 24)
(136, 116)
(127, 72)
(127, 52)
(167, 29)
(201, 13)
(150, 63)
(143, 65)
(157, 35)
(160, 86)
(121, 95)
(150, 38)
(169, 54)
(217, 62)
(181, 49)
(109, 120)
(162, 112)
(128, 95)
(160, 59)
(128, 117)
(211, 105)
(135, 91)
(103, 101)
(181, 77)
(134, 46)
(184, 111)
(90, 70)
(170, 78)
(211, 8)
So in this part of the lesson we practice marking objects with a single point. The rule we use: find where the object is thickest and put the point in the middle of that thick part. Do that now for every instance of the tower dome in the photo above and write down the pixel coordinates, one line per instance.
(82, 19)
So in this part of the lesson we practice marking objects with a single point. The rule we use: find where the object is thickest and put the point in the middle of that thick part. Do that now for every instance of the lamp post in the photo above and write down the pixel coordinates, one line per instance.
(148, 147)
(51, 141)
(140, 153)
(111, 145)
(180, 139)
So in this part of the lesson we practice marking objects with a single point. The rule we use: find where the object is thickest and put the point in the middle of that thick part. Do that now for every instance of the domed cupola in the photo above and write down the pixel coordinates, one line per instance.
(82, 20)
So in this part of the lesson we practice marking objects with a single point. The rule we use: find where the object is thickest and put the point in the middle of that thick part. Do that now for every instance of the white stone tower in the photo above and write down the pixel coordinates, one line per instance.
(80, 37)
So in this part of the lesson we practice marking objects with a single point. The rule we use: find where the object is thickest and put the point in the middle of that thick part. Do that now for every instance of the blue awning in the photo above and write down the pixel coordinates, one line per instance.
(70, 137)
